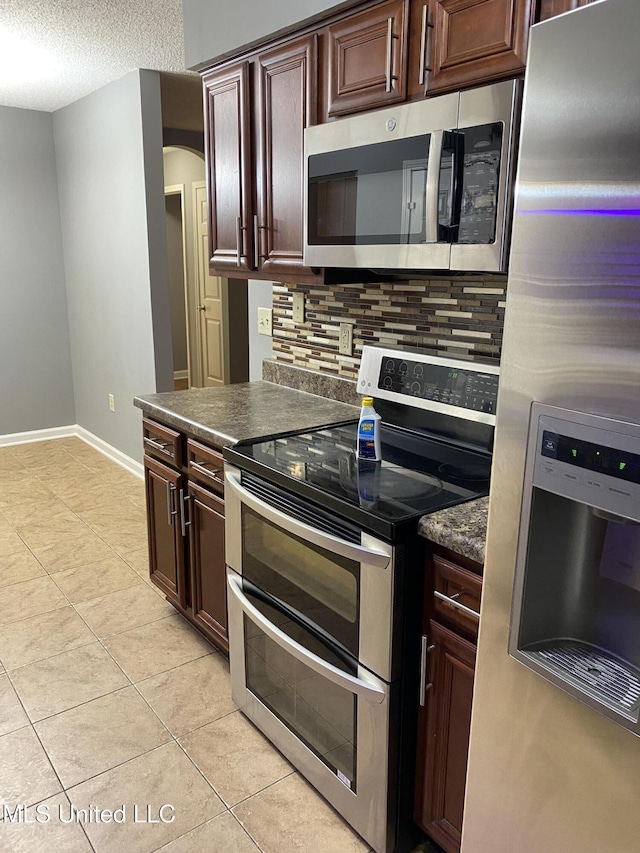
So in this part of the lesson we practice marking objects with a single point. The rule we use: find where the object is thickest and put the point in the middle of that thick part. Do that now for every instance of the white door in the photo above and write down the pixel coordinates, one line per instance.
(211, 296)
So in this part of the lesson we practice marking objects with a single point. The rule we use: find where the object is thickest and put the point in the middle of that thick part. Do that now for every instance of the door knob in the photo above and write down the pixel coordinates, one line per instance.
(202, 308)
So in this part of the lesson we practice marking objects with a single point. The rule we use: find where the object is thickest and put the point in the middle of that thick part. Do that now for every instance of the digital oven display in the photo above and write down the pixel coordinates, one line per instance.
(462, 387)
(592, 457)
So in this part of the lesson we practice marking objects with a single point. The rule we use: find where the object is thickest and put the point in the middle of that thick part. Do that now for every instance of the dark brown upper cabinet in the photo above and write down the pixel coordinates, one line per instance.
(551, 8)
(256, 111)
(468, 42)
(367, 58)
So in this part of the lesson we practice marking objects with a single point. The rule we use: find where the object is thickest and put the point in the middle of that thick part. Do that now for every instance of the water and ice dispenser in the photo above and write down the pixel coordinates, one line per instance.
(576, 606)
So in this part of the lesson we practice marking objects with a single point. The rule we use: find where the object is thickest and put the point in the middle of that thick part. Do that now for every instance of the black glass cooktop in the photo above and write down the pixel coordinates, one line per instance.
(417, 475)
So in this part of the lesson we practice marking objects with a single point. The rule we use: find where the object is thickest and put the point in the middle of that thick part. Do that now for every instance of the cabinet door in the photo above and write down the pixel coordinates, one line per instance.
(476, 41)
(286, 105)
(445, 722)
(367, 58)
(228, 154)
(166, 545)
(551, 8)
(207, 563)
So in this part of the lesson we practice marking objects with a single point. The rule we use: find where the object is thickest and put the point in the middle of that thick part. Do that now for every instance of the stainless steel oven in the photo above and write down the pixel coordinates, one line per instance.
(325, 573)
(312, 615)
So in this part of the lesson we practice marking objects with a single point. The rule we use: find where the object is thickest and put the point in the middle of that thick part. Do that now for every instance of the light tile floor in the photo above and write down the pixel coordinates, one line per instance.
(109, 699)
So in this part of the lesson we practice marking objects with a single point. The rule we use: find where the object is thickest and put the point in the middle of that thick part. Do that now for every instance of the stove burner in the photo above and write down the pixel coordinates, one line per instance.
(475, 471)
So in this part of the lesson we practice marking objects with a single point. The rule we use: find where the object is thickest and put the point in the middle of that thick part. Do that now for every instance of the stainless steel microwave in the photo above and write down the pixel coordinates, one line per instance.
(421, 186)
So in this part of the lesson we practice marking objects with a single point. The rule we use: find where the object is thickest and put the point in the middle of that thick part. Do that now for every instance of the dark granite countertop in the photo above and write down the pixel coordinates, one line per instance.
(247, 411)
(462, 528)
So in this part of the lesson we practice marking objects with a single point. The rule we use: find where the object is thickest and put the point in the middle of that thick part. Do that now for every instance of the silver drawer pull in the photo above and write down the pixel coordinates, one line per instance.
(209, 472)
(425, 649)
(158, 445)
(448, 600)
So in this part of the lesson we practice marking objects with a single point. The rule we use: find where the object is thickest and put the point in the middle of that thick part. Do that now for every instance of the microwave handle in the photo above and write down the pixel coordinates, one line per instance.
(377, 559)
(432, 190)
(373, 691)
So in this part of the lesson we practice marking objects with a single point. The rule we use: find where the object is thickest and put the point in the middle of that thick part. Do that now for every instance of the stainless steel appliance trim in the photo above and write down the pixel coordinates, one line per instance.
(496, 103)
(448, 600)
(431, 201)
(371, 364)
(372, 689)
(377, 559)
(366, 809)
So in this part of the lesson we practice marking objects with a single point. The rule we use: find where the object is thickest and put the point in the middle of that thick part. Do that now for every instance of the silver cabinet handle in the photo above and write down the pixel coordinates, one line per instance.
(157, 445)
(390, 77)
(171, 490)
(257, 228)
(425, 648)
(425, 65)
(433, 186)
(183, 512)
(377, 559)
(372, 690)
(239, 239)
(455, 603)
(209, 472)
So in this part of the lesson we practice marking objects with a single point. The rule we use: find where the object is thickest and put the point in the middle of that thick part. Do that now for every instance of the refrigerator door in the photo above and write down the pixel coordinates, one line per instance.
(572, 339)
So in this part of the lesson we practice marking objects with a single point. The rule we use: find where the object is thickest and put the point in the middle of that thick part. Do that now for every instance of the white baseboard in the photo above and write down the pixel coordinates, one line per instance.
(75, 431)
(180, 374)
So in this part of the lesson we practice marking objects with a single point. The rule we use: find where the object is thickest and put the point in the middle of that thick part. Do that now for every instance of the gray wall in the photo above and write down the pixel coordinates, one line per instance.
(175, 257)
(36, 390)
(214, 29)
(260, 296)
(109, 159)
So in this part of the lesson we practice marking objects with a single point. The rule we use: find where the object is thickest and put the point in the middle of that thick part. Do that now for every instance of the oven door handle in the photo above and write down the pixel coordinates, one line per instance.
(373, 691)
(377, 559)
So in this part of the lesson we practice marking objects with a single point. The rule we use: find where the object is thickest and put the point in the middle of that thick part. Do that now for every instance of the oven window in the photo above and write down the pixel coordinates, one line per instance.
(372, 194)
(321, 714)
(321, 586)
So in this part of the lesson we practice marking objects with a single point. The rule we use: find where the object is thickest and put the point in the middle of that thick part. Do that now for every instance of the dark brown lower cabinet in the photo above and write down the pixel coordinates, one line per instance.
(206, 563)
(166, 548)
(447, 720)
(185, 521)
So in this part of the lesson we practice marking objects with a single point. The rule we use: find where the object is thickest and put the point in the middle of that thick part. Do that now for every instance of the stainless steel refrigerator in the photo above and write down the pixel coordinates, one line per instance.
(554, 761)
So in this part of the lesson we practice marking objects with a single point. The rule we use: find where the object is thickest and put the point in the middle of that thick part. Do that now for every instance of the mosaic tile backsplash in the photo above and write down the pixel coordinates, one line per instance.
(458, 317)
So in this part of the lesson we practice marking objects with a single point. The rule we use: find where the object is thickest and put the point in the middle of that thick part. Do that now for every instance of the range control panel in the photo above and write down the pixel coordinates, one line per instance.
(464, 386)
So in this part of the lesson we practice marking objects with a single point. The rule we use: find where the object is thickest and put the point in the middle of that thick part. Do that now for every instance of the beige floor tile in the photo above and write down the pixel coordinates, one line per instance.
(37, 536)
(156, 647)
(38, 835)
(206, 684)
(43, 511)
(223, 834)
(26, 774)
(164, 776)
(12, 715)
(29, 598)
(120, 611)
(10, 542)
(41, 637)
(74, 551)
(9, 462)
(235, 757)
(290, 815)
(67, 680)
(94, 580)
(139, 561)
(21, 566)
(99, 735)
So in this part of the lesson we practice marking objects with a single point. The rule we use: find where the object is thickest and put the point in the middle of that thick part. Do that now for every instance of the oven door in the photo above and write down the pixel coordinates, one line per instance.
(327, 714)
(327, 572)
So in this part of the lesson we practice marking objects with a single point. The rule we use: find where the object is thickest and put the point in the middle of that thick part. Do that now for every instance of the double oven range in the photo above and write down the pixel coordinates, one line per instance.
(324, 579)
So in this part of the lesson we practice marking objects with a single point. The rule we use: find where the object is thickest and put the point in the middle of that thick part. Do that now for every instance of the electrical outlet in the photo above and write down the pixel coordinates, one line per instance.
(112, 403)
(346, 339)
(298, 307)
(265, 326)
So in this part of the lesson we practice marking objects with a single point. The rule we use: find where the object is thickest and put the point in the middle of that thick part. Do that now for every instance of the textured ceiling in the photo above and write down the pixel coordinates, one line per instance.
(53, 52)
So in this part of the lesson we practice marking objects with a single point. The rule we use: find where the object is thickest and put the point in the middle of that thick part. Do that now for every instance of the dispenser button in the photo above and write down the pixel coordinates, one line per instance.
(548, 468)
(594, 484)
(620, 492)
(569, 475)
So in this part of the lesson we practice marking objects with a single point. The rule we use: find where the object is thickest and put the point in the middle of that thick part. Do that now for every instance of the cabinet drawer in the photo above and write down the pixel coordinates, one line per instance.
(205, 466)
(456, 588)
(162, 442)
